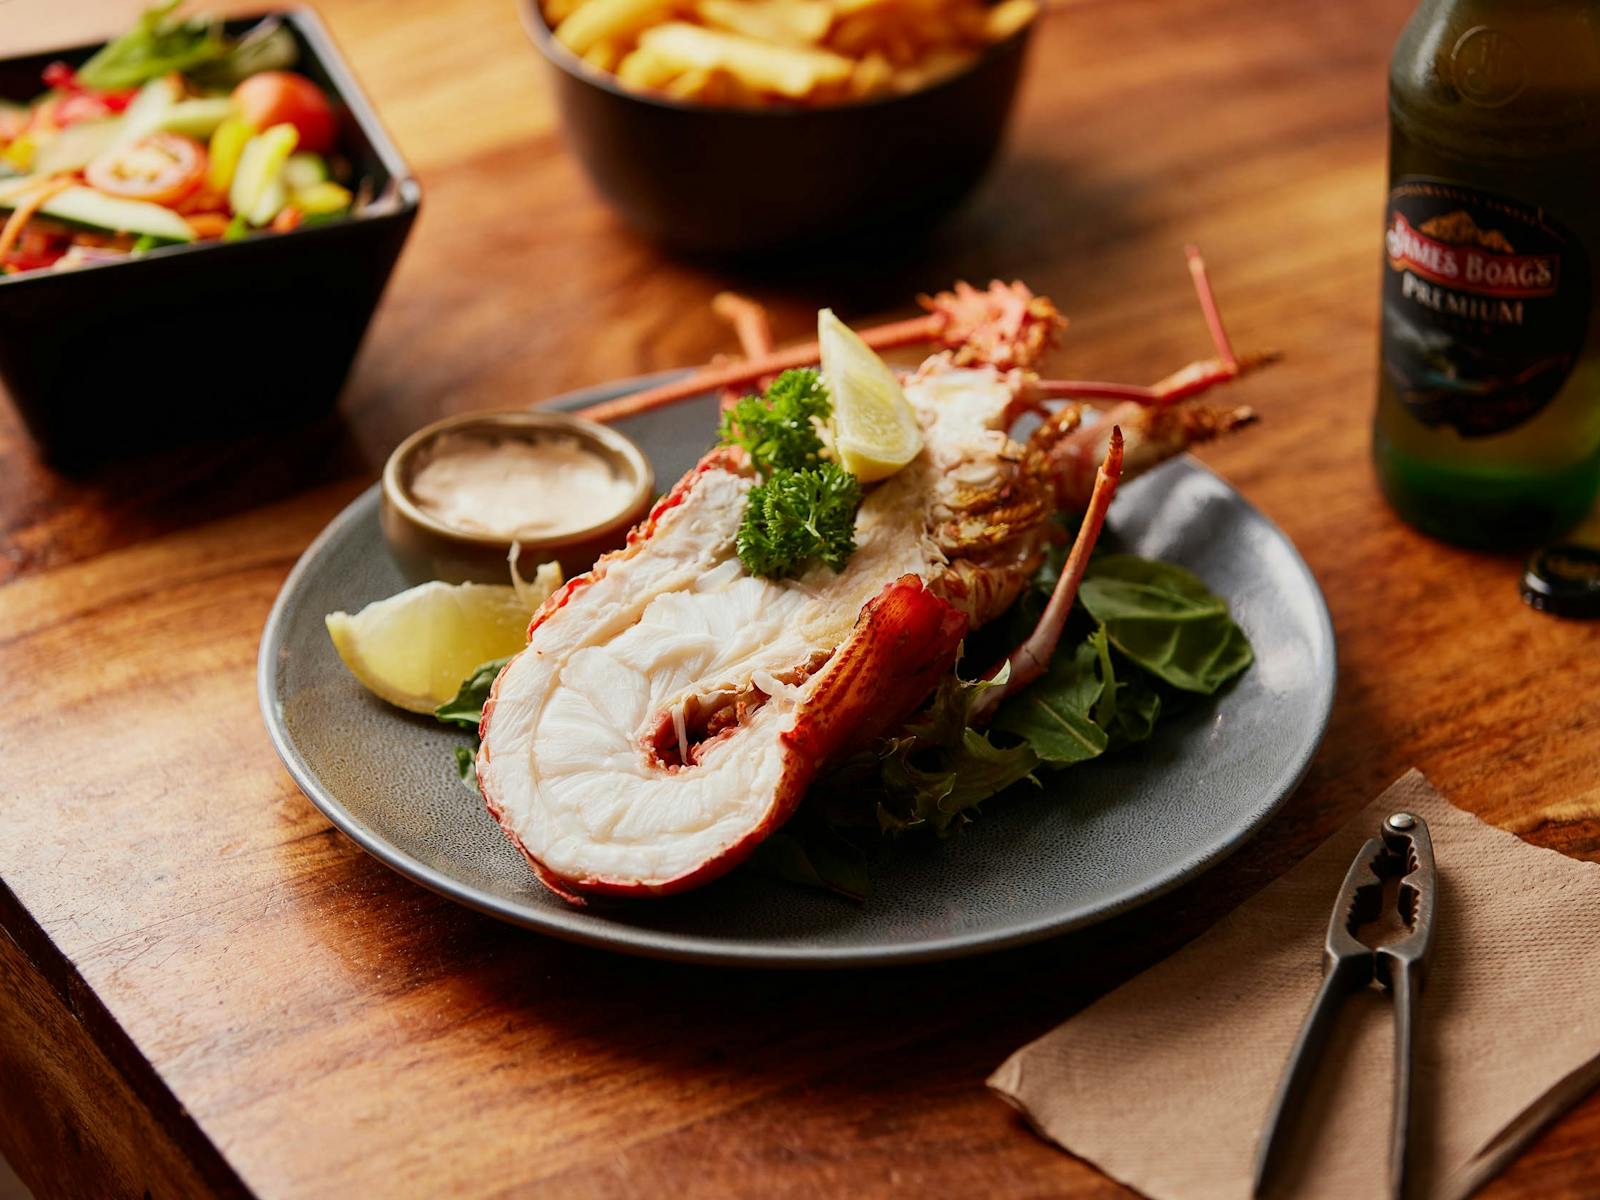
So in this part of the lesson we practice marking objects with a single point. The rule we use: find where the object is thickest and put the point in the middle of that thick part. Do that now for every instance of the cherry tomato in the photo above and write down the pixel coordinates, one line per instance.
(159, 168)
(282, 97)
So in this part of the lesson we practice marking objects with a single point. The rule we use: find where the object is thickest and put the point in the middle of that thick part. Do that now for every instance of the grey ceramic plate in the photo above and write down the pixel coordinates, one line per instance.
(1097, 839)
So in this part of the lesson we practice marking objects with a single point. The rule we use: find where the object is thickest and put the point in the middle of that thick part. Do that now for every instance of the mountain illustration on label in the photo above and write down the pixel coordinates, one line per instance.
(1485, 307)
(1459, 229)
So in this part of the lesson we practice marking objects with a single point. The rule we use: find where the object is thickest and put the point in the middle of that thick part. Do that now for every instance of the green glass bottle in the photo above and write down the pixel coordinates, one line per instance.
(1488, 422)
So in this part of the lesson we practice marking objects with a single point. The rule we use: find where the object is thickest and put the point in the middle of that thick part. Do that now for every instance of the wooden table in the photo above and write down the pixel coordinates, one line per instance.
(206, 989)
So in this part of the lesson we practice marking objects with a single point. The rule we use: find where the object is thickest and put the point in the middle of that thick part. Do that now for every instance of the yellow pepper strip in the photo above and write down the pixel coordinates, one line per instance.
(227, 143)
(319, 198)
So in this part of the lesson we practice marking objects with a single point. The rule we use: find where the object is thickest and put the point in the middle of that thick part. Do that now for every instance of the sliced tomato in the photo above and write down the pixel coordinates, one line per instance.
(78, 103)
(80, 106)
(284, 98)
(160, 168)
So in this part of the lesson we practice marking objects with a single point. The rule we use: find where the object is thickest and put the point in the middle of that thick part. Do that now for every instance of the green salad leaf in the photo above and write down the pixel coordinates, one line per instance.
(1133, 718)
(158, 43)
(1166, 621)
(812, 853)
(161, 42)
(466, 706)
(465, 711)
(1060, 716)
(467, 766)
(941, 767)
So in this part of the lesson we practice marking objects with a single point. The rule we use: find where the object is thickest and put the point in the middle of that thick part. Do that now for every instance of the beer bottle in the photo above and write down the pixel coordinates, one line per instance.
(1488, 423)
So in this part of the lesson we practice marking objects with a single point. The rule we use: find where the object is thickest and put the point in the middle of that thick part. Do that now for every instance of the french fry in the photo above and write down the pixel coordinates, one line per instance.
(601, 20)
(897, 46)
(604, 55)
(786, 70)
(732, 90)
(763, 52)
(855, 34)
(557, 11)
(646, 69)
(691, 85)
(872, 76)
(1005, 18)
(785, 22)
(845, 8)
(934, 66)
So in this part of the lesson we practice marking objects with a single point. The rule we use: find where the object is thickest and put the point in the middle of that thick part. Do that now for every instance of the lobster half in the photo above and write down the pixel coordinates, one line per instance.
(671, 710)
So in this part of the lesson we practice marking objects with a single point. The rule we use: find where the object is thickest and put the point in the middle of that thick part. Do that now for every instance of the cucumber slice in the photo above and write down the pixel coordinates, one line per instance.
(197, 119)
(72, 148)
(148, 109)
(85, 206)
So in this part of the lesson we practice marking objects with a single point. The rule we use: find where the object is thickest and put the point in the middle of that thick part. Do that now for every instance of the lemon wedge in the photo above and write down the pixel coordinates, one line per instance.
(414, 649)
(874, 428)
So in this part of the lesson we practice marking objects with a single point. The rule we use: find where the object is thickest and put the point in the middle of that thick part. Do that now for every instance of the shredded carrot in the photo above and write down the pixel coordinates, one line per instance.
(25, 210)
(208, 225)
(18, 187)
(204, 198)
(286, 220)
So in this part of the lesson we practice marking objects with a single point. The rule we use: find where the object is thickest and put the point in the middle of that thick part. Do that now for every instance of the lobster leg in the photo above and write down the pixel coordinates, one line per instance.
(754, 331)
(1188, 381)
(749, 321)
(1032, 659)
(1152, 435)
(1003, 325)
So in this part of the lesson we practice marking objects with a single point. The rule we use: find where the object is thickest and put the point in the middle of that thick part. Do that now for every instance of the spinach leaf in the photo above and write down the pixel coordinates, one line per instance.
(1166, 621)
(465, 708)
(1056, 716)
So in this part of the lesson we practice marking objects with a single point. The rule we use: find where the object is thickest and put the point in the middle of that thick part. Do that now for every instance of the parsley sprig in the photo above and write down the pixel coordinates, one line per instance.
(798, 515)
(804, 506)
(779, 430)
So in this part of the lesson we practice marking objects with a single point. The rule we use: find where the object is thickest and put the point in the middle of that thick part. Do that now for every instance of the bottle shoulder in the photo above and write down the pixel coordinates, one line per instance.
(1516, 79)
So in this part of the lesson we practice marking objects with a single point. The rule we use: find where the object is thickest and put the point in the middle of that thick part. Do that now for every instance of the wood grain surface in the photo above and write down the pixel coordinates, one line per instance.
(208, 990)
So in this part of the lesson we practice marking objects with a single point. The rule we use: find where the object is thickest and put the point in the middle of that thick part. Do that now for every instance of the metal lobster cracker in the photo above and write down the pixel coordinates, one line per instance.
(1404, 852)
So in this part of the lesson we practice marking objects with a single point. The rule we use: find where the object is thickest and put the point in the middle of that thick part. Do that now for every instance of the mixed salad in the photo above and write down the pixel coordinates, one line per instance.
(172, 133)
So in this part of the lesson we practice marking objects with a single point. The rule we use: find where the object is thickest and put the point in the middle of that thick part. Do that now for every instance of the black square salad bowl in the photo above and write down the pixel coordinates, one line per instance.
(197, 221)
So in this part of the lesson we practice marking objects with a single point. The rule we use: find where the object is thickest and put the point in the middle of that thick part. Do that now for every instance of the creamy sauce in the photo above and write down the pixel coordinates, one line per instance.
(514, 487)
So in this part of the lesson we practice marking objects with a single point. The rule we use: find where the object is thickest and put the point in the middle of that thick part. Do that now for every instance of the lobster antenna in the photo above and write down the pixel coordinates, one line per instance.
(1208, 305)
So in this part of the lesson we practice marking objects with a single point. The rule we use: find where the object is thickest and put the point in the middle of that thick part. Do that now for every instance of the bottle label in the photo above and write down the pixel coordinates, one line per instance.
(1485, 306)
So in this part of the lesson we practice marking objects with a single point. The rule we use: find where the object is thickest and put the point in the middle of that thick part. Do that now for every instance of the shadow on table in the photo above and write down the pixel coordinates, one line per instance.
(1032, 209)
(55, 516)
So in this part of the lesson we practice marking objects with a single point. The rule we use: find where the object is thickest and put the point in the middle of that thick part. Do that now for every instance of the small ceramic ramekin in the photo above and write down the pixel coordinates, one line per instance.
(427, 548)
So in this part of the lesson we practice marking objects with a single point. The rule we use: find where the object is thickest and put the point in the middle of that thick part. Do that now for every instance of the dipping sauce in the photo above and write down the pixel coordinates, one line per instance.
(511, 487)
